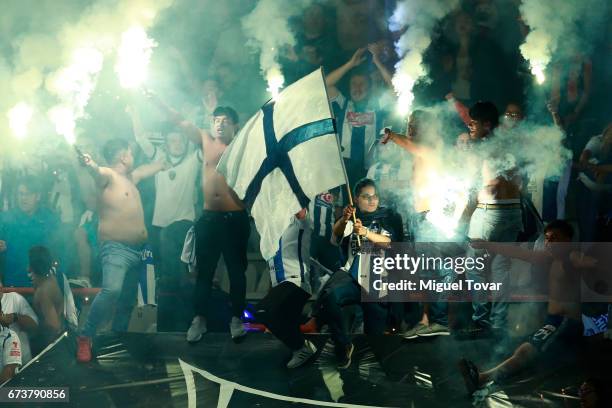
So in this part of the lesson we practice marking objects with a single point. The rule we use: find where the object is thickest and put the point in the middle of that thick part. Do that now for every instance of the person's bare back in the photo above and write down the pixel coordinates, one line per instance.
(48, 302)
(121, 212)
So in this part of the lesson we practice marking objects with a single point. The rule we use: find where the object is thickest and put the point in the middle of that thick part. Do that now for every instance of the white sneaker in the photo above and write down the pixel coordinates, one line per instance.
(301, 356)
(197, 329)
(237, 329)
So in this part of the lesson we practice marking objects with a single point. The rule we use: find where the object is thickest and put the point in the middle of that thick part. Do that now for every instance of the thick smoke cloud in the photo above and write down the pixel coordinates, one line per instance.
(267, 28)
(453, 174)
(56, 52)
(420, 16)
(559, 27)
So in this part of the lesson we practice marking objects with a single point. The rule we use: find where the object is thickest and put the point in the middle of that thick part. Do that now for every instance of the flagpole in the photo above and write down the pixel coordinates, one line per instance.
(348, 186)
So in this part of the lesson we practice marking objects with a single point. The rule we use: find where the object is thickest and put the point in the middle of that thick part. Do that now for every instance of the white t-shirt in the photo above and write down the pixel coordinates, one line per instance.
(13, 302)
(175, 191)
(10, 347)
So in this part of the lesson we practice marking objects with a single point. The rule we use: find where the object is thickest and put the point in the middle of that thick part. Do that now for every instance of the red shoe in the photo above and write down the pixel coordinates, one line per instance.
(83, 349)
(310, 326)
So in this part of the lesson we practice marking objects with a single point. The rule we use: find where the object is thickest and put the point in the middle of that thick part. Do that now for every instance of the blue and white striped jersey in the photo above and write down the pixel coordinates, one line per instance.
(358, 131)
(322, 214)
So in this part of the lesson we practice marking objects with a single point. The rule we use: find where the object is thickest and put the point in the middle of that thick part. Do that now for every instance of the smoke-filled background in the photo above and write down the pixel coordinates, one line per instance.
(240, 43)
(560, 29)
(68, 69)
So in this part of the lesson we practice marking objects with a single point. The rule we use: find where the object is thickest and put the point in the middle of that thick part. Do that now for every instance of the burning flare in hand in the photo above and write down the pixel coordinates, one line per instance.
(133, 57)
(538, 71)
(448, 196)
(275, 81)
(73, 85)
(19, 117)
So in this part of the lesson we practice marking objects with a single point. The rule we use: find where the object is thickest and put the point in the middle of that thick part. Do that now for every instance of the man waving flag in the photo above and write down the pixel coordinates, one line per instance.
(284, 156)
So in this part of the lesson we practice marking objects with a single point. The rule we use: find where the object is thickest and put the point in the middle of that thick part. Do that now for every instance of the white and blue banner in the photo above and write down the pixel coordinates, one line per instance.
(146, 280)
(284, 156)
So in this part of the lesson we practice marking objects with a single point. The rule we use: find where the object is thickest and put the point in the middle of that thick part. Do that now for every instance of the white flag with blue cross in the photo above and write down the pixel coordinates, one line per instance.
(284, 156)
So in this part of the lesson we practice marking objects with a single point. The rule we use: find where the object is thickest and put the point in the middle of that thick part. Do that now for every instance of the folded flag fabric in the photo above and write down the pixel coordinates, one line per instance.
(284, 156)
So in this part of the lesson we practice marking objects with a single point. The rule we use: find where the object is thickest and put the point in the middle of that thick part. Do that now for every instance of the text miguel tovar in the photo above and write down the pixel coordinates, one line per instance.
(406, 263)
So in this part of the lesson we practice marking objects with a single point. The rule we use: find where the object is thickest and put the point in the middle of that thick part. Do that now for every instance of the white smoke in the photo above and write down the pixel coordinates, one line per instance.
(453, 174)
(19, 117)
(529, 148)
(558, 26)
(420, 16)
(519, 153)
(267, 28)
(73, 86)
(55, 57)
(133, 57)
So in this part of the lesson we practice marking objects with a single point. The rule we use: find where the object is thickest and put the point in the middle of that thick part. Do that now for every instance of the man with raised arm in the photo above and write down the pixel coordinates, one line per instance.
(422, 144)
(121, 233)
(174, 210)
(224, 226)
(358, 117)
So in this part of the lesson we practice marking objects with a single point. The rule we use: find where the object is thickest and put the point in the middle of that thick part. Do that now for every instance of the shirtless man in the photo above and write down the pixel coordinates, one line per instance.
(563, 325)
(224, 225)
(425, 158)
(494, 215)
(426, 162)
(48, 300)
(121, 233)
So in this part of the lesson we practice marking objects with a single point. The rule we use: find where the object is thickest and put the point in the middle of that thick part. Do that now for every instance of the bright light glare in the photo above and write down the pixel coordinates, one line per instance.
(73, 85)
(447, 196)
(64, 121)
(403, 84)
(133, 57)
(76, 82)
(275, 82)
(538, 71)
(19, 117)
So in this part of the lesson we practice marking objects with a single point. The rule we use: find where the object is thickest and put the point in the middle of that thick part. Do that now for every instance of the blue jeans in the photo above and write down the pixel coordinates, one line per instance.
(344, 292)
(120, 269)
(438, 310)
(494, 225)
(425, 232)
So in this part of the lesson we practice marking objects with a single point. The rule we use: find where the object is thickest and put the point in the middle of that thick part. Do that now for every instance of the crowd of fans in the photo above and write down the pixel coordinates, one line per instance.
(50, 207)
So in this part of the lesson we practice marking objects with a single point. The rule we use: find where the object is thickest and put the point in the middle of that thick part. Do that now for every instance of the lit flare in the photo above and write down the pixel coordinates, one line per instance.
(275, 82)
(19, 117)
(133, 57)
